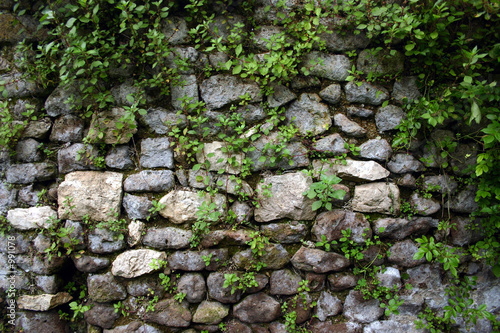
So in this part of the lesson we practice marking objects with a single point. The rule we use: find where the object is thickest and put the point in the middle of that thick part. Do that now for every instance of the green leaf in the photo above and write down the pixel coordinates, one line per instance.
(70, 22)
(475, 113)
(238, 50)
(434, 35)
(237, 70)
(410, 47)
(317, 205)
(496, 270)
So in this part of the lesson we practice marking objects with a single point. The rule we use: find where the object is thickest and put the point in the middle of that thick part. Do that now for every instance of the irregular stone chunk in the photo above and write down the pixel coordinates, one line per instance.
(285, 233)
(359, 112)
(327, 306)
(193, 260)
(380, 63)
(342, 281)
(348, 126)
(104, 241)
(402, 254)
(464, 201)
(400, 228)
(119, 158)
(333, 144)
(257, 308)
(92, 193)
(30, 173)
(361, 310)
(193, 285)
(186, 87)
(182, 206)
(376, 198)
(328, 326)
(156, 153)
(280, 96)
(365, 93)
(31, 218)
(331, 67)
(67, 128)
(161, 121)
(105, 288)
(408, 180)
(341, 40)
(220, 90)
(145, 285)
(187, 60)
(167, 238)
(332, 223)
(77, 157)
(231, 161)
(424, 206)
(102, 315)
(170, 313)
(406, 87)
(331, 94)
(287, 199)
(27, 151)
(464, 158)
(210, 313)
(441, 183)
(134, 263)
(284, 282)
(37, 129)
(318, 261)
(110, 133)
(43, 302)
(31, 321)
(275, 256)
(90, 264)
(389, 277)
(389, 117)
(135, 232)
(309, 115)
(466, 231)
(15, 86)
(352, 170)
(265, 36)
(175, 30)
(217, 291)
(233, 237)
(233, 185)
(403, 163)
(136, 207)
(376, 149)
(150, 181)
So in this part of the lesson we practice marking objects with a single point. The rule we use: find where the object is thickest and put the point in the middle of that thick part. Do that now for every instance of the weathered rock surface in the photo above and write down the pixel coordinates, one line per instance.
(327, 306)
(193, 260)
(333, 144)
(220, 90)
(424, 206)
(93, 193)
(327, 327)
(182, 206)
(376, 198)
(358, 309)
(150, 181)
(342, 281)
(257, 308)
(30, 172)
(400, 228)
(105, 288)
(77, 157)
(217, 291)
(171, 313)
(230, 161)
(193, 285)
(137, 207)
(119, 158)
(31, 218)
(42, 302)
(102, 315)
(403, 163)
(309, 115)
(285, 233)
(156, 153)
(135, 232)
(210, 313)
(287, 200)
(275, 256)
(90, 264)
(167, 238)
(359, 111)
(331, 94)
(34, 322)
(380, 63)
(133, 327)
(365, 93)
(134, 263)
(28, 151)
(175, 30)
(57, 103)
(331, 67)
(401, 253)
(352, 169)
(280, 96)
(161, 121)
(68, 128)
(465, 231)
(464, 201)
(186, 88)
(388, 117)
(230, 237)
(406, 87)
(348, 126)
(318, 261)
(376, 149)
(389, 277)
(111, 119)
(332, 223)
(284, 282)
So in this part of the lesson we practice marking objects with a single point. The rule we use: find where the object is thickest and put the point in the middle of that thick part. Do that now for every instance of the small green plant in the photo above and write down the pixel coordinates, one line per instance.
(207, 259)
(324, 192)
(122, 308)
(240, 281)
(179, 297)
(155, 209)
(78, 310)
(258, 243)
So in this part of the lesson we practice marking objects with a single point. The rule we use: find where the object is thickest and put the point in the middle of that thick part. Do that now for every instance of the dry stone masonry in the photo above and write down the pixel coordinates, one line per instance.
(156, 198)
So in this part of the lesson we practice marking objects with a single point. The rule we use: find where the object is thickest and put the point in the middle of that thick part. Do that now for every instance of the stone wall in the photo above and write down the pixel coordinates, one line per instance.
(393, 196)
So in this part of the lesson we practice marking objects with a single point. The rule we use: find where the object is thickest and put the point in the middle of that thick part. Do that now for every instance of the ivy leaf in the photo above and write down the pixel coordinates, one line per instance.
(316, 205)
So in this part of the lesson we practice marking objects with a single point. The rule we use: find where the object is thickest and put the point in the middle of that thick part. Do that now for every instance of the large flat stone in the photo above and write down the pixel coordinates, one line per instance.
(182, 206)
(92, 193)
(376, 198)
(220, 90)
(31, 218)
(351, 170)
(135, 263)
(43, 302)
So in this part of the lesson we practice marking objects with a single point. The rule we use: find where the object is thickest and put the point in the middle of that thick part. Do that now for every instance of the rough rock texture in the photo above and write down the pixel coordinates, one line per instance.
(376, 198)
(333, 144)
(182, 206)
(284, 282)
(102, 241)
(137, 207)
(156, 153)
(388, 117)
(348, 126)
(119, 158)
(402, 163)
(161, 121)
(150, 181)
(193, 260)
(401, 253)
(400, 228)
(342, 281)
(43, 302)
(332, 223)
(102, 315)
(171, 313)
(34, 322)
(331, 94)
(90, 264)
(358, 309)
(30, 172)
(285, 233)
(220, 90)
(31, 218)
(67, 128)
(257, 308)
(275, 256)
(134, 263)
(309, 115)
(167, 238)
(380, 63)
(406, 87)
(187, 88)
(77, 157)
(352, 169)
(365, 93)
(105, 288)
(219, 151)
(96, 194)
(327, 306)
(331, 67)
(217, 291)
(376, 149)
(210, 313)
(111, 118)
(193, 285)
(424, 206)
(287, 200)
(318, 261)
